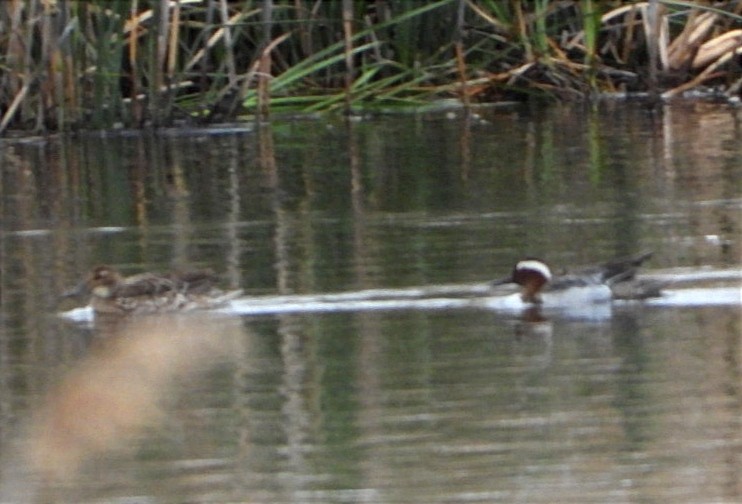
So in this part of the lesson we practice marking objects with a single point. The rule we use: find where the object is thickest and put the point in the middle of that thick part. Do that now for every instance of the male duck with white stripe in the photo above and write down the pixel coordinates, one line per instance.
(594, 284)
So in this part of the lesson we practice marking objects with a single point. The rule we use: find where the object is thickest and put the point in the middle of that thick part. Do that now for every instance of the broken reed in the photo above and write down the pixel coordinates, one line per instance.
(107, 63)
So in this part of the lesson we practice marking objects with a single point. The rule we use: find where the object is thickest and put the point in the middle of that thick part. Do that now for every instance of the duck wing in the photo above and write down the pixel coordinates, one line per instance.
(610, 273)
(145, 284)
(620, 270)
(194, 282)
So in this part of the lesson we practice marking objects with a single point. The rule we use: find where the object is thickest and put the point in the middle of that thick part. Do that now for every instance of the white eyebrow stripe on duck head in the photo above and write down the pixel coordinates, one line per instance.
(534, 265)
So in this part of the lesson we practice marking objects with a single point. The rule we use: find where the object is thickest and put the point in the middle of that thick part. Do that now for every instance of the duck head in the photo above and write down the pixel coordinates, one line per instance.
(100, 282)
(531, 274)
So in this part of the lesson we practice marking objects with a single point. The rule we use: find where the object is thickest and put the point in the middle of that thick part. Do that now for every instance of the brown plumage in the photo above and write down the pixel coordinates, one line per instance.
(110, 292)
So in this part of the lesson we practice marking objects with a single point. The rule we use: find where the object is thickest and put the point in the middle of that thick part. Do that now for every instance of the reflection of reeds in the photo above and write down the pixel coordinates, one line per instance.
(109, 399)
(100, 63)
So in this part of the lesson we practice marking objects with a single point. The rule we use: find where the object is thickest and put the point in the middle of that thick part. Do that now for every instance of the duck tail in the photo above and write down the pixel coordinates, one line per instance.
(620, 270)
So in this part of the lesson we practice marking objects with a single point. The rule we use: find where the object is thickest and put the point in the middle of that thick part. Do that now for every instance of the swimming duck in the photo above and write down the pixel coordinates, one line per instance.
(112, 293)
(615, 279)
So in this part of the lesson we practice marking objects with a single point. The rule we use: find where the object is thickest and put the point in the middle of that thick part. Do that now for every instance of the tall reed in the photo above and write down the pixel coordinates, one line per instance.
(128, 63)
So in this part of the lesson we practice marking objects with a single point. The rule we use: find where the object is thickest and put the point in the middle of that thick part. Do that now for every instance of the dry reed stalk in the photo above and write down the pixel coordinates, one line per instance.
(162, 22)
(265, 62)
(14, 55)
(303, 28)
(249, 76)
(347, 14)
(684, 47)
(717, 48)
(170, 39)
(71, 68)
(204, 36)
(18, 99)
(64, 61)
(133, 28)
(523, 30)
(652, 20)
(30, 69)
(632, 23)
(201, 56)
(368, 24)
(49, 64)
(228, 44)
(18, 77)
(707, 74)
(172, 50)
(459, 52)
(630, 15)
(157, 62)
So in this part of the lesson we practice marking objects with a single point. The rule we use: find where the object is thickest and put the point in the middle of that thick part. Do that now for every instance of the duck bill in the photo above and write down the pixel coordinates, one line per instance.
(502, 281)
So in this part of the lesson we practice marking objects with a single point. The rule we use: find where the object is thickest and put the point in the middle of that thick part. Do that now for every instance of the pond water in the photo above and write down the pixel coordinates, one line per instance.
(400, 401)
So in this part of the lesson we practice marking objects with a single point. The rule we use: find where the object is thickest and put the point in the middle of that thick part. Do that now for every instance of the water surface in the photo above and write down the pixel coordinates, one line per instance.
(407, 403)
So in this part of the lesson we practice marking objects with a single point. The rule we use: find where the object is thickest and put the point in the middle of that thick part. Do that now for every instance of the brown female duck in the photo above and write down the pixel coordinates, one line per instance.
(112, 293)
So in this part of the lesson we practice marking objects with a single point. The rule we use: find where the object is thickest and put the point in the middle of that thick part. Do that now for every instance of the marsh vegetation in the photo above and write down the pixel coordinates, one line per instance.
(102, 64)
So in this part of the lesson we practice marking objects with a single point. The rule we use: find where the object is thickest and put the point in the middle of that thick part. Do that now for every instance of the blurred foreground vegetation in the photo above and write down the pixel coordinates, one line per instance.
(70, 64)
